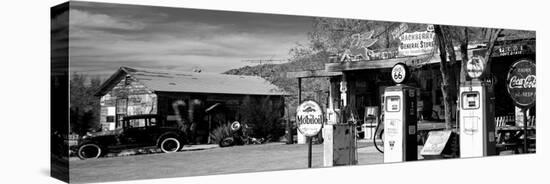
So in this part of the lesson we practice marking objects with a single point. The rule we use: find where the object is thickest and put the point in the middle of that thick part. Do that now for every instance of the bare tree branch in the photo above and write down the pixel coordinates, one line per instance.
(493, 35)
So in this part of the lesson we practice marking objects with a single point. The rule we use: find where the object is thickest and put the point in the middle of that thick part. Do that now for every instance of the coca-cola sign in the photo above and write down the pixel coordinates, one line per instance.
(522, 83)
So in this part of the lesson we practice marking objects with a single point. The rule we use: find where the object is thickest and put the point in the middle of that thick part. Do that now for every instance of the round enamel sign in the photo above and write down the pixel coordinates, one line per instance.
(309, 118)
(475, 67)
(522, 82)
(399, 73)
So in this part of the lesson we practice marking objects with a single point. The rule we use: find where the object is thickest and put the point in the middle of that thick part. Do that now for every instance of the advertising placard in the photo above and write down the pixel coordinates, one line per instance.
(309, 118)
(416, 43)
(521, 83)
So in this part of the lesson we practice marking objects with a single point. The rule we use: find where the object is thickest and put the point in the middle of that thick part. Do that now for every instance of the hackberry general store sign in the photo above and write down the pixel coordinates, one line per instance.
(416, 43)
(521, 83)
(309, 118)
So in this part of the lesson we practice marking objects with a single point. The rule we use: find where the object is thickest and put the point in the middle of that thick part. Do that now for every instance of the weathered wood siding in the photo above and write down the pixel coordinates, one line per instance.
(128, 97)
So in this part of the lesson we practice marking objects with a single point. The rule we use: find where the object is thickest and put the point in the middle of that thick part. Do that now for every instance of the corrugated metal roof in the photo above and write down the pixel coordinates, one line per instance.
(193, 82)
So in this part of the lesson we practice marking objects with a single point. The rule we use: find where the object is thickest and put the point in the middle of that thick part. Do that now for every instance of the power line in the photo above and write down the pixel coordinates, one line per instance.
(264, 61)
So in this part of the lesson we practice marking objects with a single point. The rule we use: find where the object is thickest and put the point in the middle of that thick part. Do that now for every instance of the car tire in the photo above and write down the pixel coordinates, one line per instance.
(226, 142)
(170, 145)
(89, 151)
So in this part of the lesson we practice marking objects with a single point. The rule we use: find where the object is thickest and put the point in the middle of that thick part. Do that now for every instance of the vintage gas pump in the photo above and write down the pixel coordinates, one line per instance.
(339, 144)
(400, 118)
(477, 126)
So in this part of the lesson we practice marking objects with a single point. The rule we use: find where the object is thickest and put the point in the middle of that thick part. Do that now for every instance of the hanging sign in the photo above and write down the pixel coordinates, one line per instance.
(512, 49)
(521, 83)
(430, 28)
(399, 73)
(416, 43)
(309, 118)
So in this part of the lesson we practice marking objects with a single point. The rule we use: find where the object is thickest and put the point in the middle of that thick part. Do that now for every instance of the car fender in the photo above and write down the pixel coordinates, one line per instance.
(104, 142)
(89, 142)
(103, 146)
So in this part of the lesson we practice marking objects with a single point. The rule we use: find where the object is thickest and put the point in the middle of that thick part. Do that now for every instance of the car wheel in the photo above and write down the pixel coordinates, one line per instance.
(88, 151)
(170, 145)
(226, 142)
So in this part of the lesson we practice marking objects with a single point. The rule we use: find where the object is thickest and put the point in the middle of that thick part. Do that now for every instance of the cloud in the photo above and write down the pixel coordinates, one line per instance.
(83, 19)
(104, 41)
(245, 46)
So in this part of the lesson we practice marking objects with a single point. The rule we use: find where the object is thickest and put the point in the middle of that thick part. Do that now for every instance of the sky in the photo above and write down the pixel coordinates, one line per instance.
(104, 37)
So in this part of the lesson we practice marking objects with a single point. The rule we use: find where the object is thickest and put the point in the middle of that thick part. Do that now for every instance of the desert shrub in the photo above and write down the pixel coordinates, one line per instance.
(220, 132)
(263, 115)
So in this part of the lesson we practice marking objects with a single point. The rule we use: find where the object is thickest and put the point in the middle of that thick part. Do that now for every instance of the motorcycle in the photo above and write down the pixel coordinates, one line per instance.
(239, 136)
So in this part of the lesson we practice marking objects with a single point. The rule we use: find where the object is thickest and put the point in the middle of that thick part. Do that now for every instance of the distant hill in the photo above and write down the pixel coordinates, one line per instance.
(312, 88)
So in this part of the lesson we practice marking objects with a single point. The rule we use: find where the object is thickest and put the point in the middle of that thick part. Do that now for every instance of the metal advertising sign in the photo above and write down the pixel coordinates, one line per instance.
(521, 83)
(398, 31)
(359, 47)
(416, 43)
(309, 118)
(512, 49)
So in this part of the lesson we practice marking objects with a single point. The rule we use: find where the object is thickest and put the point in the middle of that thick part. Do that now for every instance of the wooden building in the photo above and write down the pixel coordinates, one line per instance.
(203, 98)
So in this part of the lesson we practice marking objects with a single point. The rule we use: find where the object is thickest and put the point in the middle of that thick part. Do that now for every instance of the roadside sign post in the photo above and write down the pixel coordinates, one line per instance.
(309, 139)
(525, 146)
(521, 85)
(309, 118)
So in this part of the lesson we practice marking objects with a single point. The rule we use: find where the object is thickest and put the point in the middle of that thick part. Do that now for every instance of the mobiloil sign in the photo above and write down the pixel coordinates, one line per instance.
(309, 117)
(400, 122)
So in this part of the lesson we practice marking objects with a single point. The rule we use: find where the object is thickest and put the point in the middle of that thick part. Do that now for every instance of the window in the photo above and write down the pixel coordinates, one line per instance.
(110, 118)
(121, 106)
(134, 123)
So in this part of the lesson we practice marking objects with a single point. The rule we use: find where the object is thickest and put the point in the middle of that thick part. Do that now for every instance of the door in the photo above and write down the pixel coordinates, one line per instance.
(134, 133)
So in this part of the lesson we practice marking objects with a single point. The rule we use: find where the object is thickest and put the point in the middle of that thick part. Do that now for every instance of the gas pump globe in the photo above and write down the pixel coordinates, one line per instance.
(475, 67)
(477, 126)
(400, 122)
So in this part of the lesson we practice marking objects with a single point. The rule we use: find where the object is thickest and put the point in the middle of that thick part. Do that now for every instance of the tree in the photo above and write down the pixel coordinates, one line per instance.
(445, 46)
(84, 106)
(264, 115)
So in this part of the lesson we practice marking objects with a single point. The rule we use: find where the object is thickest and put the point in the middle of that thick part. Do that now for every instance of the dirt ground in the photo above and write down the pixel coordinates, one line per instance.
(237, 159)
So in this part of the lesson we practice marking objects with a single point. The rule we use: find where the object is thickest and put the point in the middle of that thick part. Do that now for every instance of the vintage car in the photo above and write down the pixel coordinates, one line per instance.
(137, 131)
